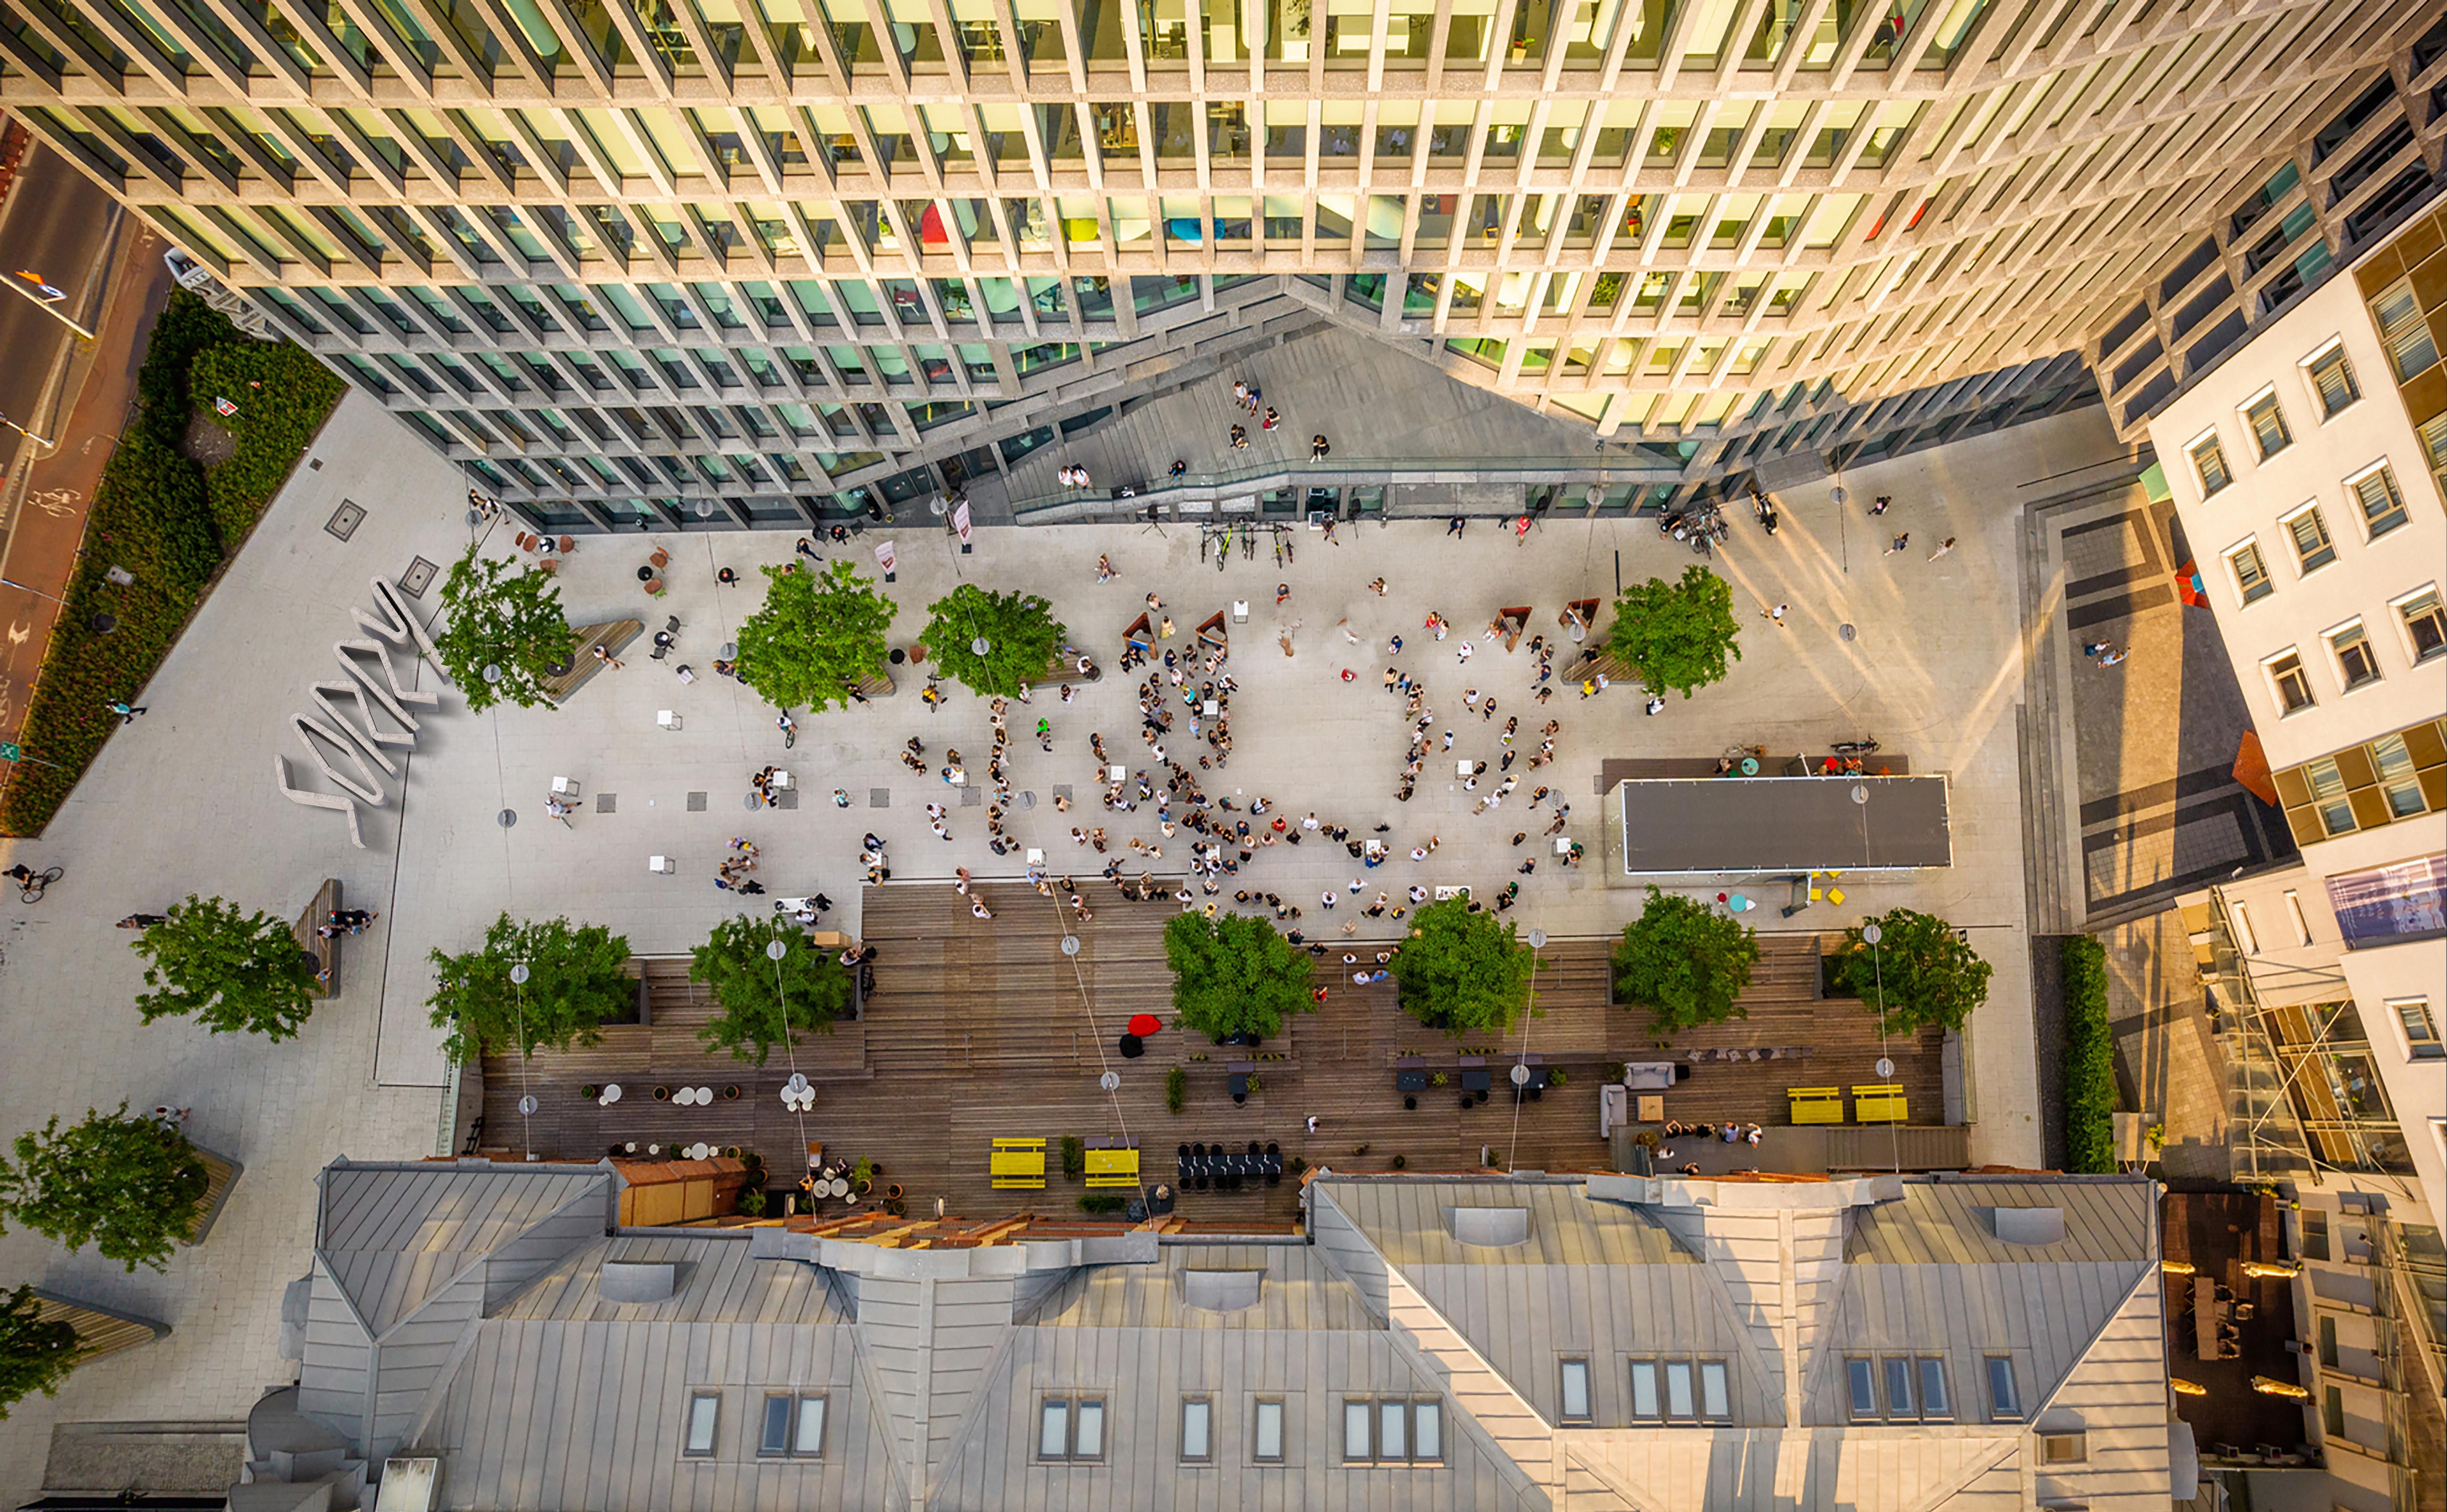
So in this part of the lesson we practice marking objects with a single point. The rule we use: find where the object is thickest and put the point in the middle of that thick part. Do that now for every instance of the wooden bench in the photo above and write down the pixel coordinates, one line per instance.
(1018, 1165)
(1883, 1102)
(326, 952)
(1816, 1104)
(613, 636)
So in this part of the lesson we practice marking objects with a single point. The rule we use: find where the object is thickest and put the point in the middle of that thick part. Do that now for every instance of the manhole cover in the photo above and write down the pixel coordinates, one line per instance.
(345, 519)
(786, 798)
(606, 803)
(1027, 799)
(1845, 631)
(971, 797)
(418, 578)
(878, 797)
(696, 803)
(1839, 494)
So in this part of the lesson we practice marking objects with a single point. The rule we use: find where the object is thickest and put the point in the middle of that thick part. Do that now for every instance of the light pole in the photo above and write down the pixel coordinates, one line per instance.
(10, 583)
(39, 441)
(44, 297)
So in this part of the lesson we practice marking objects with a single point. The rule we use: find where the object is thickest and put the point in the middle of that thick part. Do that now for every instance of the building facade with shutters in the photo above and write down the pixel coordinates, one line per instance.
(792, 257)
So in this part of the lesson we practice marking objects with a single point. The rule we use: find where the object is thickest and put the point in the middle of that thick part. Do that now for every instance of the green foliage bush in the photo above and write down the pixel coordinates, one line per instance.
(159, 516)
(131, 1187)
(1103, 1203)
(35, 1355)
(1074, 1157)
(1176, 1089)
(2089, 1060)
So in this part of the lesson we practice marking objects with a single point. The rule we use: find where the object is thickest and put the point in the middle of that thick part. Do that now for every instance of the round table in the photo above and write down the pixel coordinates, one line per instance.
(645, 575)
(840, 1186)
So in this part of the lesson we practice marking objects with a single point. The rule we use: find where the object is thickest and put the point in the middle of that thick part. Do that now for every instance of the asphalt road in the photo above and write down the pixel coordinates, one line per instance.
(57, 222)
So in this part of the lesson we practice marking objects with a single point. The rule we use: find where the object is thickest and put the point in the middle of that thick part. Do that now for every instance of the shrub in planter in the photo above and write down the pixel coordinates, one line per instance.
(1103, 1203)
(1074, 1157)
(1176, 1089)
(2089, 1060)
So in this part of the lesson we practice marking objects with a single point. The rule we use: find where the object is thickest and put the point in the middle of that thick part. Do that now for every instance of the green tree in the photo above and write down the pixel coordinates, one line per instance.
(1676, 635)
(1019, 630)
(233, 971)
(1234, 974)
(818, 635)
(499, 618)
(1920, 973)
(129, 1186)
(575, 982)
(35, 1355)
(1462, 972)
(1685, 962)
(753, 989)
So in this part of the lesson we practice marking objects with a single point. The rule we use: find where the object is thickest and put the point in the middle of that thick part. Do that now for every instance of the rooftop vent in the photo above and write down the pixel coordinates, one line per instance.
(1488, 1227)
(637, 1281)
(2030, 1225)
(1220, 1290)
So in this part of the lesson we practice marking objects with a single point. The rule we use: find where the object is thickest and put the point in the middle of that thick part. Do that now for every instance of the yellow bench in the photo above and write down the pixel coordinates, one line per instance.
(1882, 1104)
(1017, 1165)
(1816, 1104)
(1113, 1167)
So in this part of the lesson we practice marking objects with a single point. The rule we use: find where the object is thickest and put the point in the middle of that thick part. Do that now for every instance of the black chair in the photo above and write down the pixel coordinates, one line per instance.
(1274, 1178)
(1254, 1148)
(1184, 1152)
(1239, 1098)
(1410, 1104)
(1199, 1150)
(1272, 1148)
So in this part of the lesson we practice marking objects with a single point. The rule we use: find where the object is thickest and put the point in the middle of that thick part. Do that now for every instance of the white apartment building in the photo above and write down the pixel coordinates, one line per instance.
(2306, 470)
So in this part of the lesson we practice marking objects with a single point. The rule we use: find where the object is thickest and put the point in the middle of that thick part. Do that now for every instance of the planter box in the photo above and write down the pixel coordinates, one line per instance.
(100, 1329)
(224, 1173)
(326, 952)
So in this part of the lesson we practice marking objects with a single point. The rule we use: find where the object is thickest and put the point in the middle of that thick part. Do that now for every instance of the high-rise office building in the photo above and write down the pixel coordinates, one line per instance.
(620, 258)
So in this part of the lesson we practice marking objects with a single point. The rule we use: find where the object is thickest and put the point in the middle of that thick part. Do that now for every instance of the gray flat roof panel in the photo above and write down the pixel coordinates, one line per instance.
(1783, 824)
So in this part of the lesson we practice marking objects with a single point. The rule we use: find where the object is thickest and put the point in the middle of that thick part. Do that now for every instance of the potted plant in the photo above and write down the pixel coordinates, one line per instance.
(1555, 1077)
(1401, 1162)
(861, 1176)
(1255, 1085)
(662, 1094)
(590, 1092)
(730, 1093)
(892, 1191)
(1437, 1079)
(751, 1202)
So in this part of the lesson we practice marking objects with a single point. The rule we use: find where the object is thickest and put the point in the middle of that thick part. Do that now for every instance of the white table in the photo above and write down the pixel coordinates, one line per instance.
(1463, 769)
(666, 719)
(564, 788)
(1115, 774)
(661, 863)
(781, 778)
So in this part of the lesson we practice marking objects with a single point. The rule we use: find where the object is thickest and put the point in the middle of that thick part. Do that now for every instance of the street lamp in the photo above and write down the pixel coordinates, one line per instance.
(39, 441)
(10, 583)
(45, 297)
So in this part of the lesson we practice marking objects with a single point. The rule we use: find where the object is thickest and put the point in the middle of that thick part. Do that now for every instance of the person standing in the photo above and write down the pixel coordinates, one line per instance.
(1318, 448)
(1454, 526)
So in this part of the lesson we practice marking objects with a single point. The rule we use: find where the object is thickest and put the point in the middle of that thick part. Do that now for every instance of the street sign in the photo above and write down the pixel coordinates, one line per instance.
(48, 294)
(11, 752)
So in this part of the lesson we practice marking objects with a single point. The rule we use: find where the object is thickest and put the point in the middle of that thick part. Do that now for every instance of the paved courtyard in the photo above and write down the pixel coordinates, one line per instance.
(183, 798)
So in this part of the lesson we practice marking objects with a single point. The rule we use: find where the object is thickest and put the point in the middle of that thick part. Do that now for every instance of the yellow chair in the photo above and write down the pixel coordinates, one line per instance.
(1883, 1102)
(1113, 1167)
(1836, 896)
(1816, 1104)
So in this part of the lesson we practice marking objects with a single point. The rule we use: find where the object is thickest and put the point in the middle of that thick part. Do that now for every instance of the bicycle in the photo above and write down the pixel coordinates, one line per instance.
(31, 883)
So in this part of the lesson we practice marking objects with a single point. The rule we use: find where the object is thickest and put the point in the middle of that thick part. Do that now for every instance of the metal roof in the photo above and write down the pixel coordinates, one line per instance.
(1673, 826)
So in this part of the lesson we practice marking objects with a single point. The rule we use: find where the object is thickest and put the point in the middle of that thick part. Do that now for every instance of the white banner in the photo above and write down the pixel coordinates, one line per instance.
(961, 521)
(884, 558)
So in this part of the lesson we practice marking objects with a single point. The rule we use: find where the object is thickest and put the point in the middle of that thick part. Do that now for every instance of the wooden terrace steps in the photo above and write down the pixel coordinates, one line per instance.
(976, 1031)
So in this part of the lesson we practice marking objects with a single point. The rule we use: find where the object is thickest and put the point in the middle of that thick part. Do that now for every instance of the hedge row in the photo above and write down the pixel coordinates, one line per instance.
(169, 522)
(2089, 1060)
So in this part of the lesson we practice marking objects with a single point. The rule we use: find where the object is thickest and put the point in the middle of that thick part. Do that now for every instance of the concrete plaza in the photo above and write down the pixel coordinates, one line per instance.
(183, 799)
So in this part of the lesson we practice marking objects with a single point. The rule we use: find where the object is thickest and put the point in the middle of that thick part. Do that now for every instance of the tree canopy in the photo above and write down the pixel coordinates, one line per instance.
(1234, 974)
(1019, 630)
(812, 984)
(496, 616)
(1676, 635)
(129, 1186)
(1462, 972)
(36, 1354)
(1684, 962)
(234, 973)
(1921, 973)
(575, 982)
(819, 634)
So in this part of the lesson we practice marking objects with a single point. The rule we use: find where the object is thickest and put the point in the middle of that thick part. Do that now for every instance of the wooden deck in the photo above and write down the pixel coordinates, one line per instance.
(979, 1030)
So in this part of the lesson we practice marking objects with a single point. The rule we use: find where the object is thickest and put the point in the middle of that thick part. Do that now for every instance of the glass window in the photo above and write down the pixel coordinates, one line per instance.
(1053, 1430)
(2356, 666)
(2425, 624)
(2407, 334)
(1393, 1431)
(809, 1439)
(1426, 1431)
(2005, 1397)
(2332, 378)
(2433, 444)
(775, 1439)
(2420, 1030)
(1861, 1381)
(1088, 1443)
(2208, 460)
(1268, 1445)
(704, 1411)
(1716, 1401)
(1196, 1419)
(2250, 571)
(1899, 1388)
(2063, 1448)
(1643, 1389)
(2267, 422)
(2328, 784)
(1678, 1389)
(1934, 1403)
(2314, 548)
(2315, 1234)
(1357, 1416)
(2293, 689)
(2382, 501)
(2397, 780)
(1576, 1391)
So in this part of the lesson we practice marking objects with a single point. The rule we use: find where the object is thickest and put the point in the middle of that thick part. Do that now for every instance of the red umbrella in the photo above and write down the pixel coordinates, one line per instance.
(1144, 1025)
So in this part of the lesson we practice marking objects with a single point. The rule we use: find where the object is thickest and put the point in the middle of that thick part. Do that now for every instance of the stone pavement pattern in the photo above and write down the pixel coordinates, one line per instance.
(182, 800)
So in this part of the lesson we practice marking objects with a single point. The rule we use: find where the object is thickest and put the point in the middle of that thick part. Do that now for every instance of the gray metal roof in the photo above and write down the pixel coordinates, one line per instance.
(1734, 824)
(934, 1363)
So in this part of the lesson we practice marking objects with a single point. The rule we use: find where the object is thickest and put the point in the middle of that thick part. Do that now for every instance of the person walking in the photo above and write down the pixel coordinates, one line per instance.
(2113, 657)
(790, 729)
(1900, 542)
(607, 659)
(1884, 502)
(1776, 614)
(1942, 547)
(1454, 526)
(124, 710)
(1318, 448)
(1282, 592)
